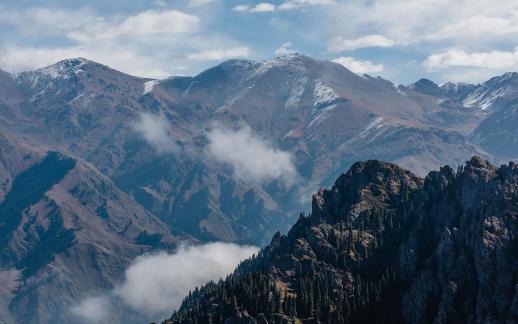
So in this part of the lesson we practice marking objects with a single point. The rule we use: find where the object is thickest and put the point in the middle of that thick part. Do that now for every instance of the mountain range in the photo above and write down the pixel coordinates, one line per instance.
(98, 167)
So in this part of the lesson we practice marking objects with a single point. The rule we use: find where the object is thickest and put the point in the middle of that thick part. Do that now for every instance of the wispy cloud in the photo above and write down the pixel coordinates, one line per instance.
(358, 66)
(251, 157)
(427, 20)
(260, 7)
(459, 58)
(219, 54)
(340, 44)
(285, 49)
(95, 309)
(197, 3)
(84, 25)
(241, 8)
(285, 6)
(298, 4)
(155, 284)
(149, 22)
(154, 128)
(479, 26)
(150, 43)
(264, 7)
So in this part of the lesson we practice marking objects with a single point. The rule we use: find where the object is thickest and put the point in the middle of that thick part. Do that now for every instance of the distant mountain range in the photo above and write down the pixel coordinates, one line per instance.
(383, 246)
(124, 165)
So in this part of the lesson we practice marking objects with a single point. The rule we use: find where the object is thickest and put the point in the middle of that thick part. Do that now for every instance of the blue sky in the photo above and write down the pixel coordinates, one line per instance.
(399, 40)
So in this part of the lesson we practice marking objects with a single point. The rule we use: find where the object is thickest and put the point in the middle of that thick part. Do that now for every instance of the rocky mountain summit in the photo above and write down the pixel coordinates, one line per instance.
(383, 245)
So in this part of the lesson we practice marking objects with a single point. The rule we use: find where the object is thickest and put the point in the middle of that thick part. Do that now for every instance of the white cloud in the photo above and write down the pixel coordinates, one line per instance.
(408, 22)
(358, 66)
(50, 21)
(287, 5)
(459, 58)
(339, 44)
(146, 23)
(477, 27)
(298, 4)
(197, 3)
(260, 7)
(285, 49)
(220, 54)
(152, 22)
(251, 157)
(95, 309)
(241, 8)
(155, 284)
(155, 130)
(83, 25)
(160, 3)
(113, 54)
(151, 43)
(263, 7)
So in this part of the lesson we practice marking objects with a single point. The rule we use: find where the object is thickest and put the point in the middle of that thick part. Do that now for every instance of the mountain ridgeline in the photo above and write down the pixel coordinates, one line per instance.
(72, 221)
(383, 246)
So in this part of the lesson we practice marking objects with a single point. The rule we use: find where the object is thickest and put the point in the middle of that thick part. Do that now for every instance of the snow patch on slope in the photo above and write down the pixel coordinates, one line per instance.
(373, 129)
(322, 115)
(296, 93)
(323, 94)
(287, 60)
(483, 99)
(64, 68)
(148, 86)
(376, 123)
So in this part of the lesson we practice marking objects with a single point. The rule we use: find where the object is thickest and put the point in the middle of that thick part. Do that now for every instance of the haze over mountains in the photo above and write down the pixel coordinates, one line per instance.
(232, 154)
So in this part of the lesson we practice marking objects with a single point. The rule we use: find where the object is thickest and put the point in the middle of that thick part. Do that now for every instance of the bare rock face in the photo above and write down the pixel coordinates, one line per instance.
(383, 245)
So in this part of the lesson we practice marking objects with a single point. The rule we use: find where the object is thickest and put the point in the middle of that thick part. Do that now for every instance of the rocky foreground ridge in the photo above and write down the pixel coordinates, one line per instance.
(383, 245)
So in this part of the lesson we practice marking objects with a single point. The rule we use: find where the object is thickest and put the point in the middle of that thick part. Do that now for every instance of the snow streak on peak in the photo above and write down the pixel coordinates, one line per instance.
(323, 94)
(290, 60)
(149, 85)
(63, 68)
(484, 99)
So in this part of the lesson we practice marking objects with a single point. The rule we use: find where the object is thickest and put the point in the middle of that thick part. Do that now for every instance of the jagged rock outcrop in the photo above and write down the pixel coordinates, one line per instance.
(383, 245)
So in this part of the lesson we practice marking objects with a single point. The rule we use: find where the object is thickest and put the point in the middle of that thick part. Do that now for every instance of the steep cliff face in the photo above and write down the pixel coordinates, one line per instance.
(383, 245)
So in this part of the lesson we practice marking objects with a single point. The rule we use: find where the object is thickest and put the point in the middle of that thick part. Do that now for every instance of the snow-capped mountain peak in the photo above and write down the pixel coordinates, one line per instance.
(503, 88)
(64, 68)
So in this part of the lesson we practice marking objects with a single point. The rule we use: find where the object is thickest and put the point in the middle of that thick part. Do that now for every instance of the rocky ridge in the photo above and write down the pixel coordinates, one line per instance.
(383, 245)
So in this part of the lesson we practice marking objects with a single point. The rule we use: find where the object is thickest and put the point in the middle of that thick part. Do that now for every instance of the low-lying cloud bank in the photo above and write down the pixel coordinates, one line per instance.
(252, 157)
(155, 284)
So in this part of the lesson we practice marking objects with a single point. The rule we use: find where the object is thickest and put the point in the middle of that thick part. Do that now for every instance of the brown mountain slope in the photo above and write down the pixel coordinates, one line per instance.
(67, 230)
